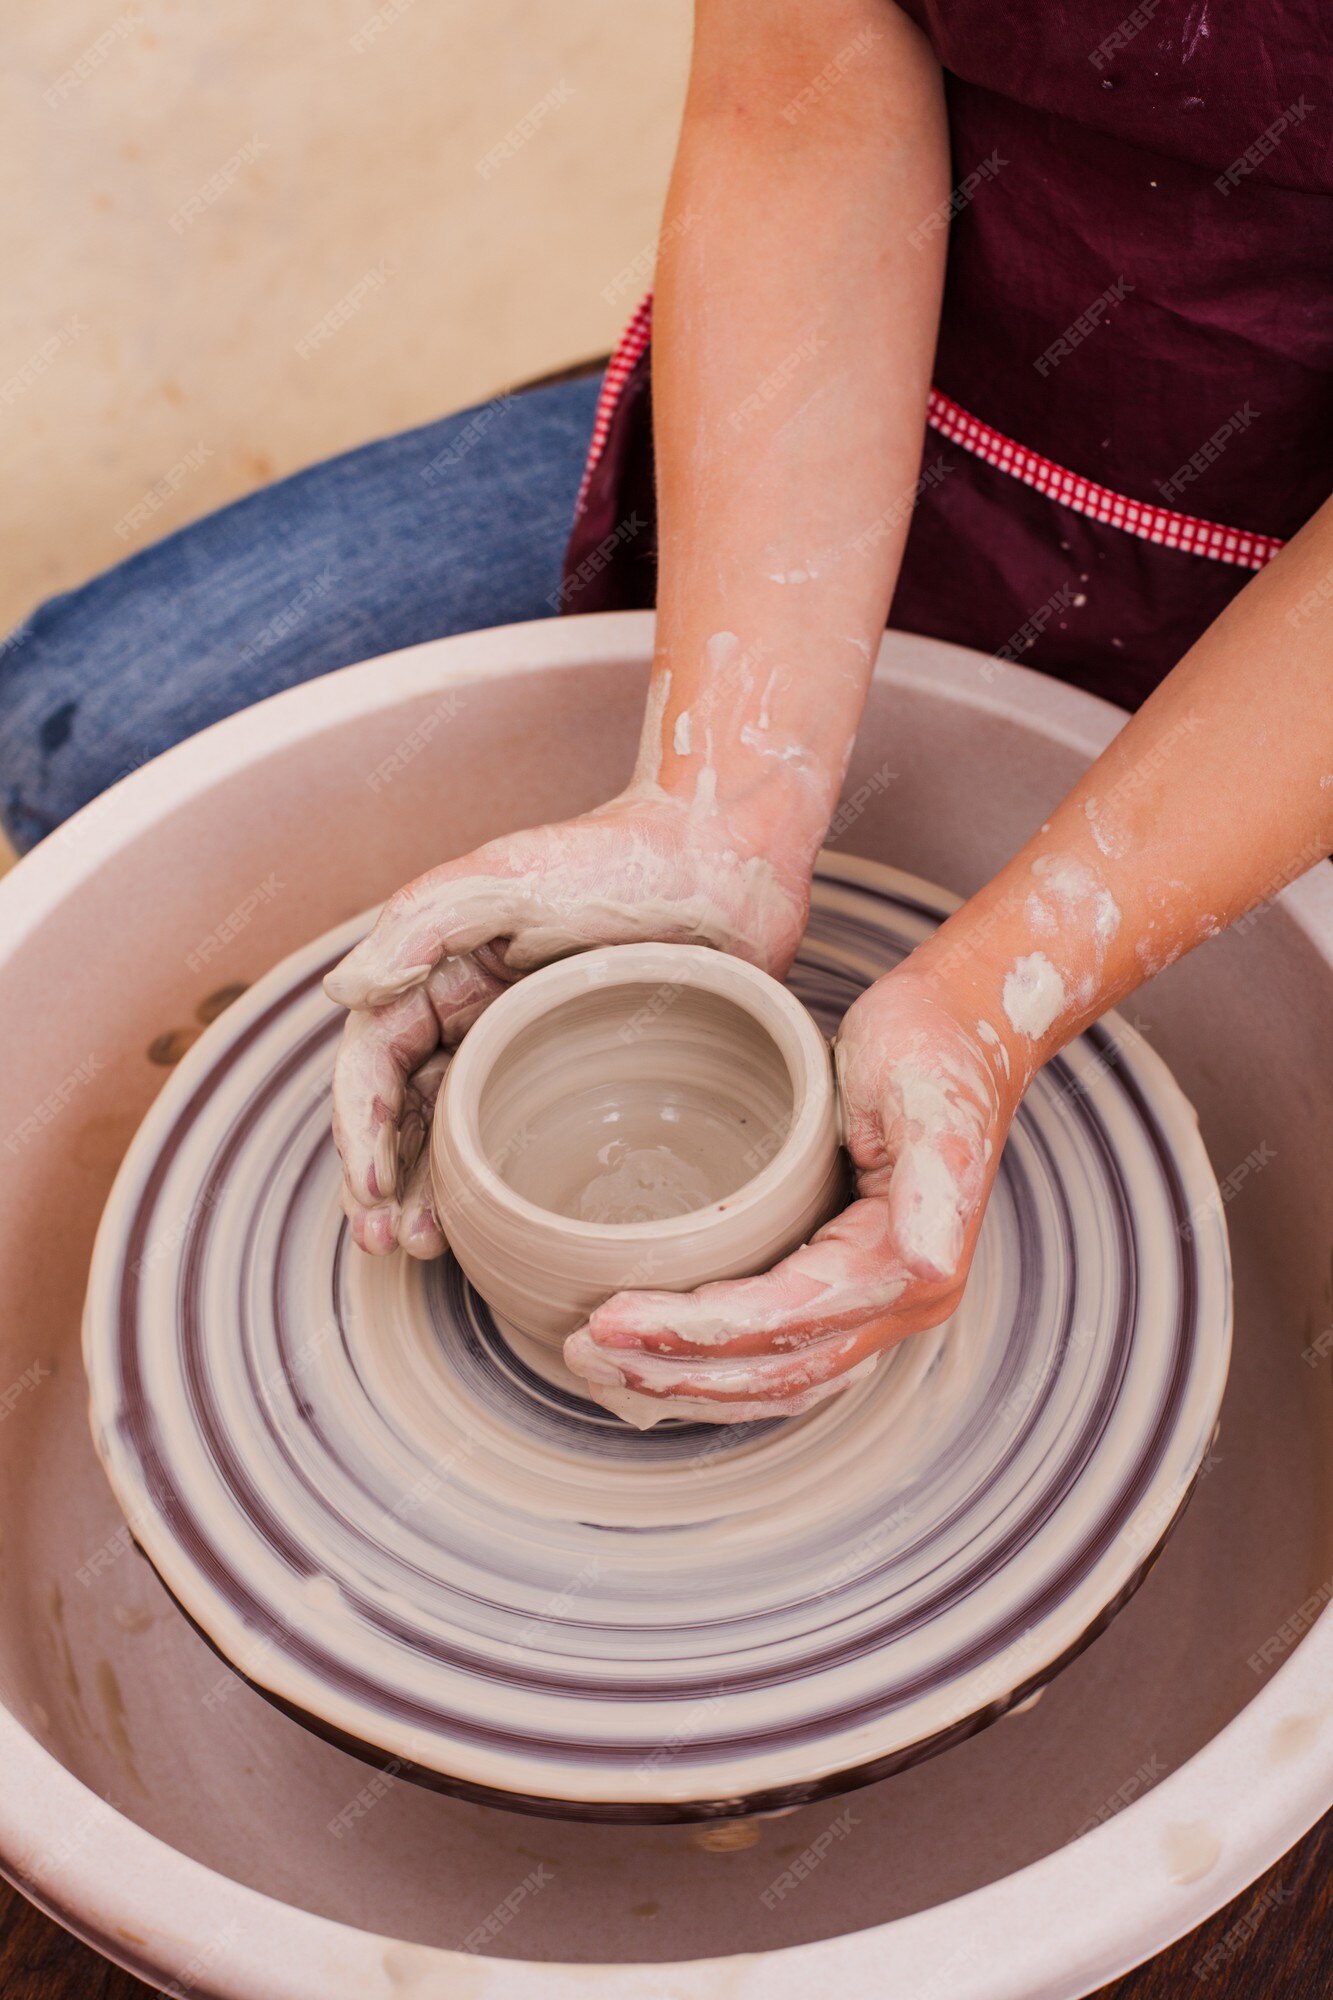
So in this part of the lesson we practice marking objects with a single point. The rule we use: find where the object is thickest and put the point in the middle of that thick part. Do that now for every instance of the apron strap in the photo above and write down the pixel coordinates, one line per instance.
(1068, 489)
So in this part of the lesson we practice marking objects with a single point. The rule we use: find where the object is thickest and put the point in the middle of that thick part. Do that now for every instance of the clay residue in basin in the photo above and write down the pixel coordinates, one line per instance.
(1294, 1737)
(113, 1703)
(69, 1672)
(635, 1104)
(1190, 1848)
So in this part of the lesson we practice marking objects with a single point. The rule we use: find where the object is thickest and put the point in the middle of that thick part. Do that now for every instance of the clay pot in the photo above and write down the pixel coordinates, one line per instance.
(645, 1117)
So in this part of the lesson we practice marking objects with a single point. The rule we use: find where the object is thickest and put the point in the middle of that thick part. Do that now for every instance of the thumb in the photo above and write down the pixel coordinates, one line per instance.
(443, 914)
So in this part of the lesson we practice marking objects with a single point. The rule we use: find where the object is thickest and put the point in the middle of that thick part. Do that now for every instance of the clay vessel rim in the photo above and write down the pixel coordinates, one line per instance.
(775, 1009)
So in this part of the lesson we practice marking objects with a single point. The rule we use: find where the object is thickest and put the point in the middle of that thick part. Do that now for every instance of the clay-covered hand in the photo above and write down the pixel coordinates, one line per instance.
(639, 868)
(926, 1104)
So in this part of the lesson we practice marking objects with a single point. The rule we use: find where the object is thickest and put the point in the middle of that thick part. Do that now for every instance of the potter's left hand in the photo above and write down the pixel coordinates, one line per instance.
(644, 865)
(926, 1105)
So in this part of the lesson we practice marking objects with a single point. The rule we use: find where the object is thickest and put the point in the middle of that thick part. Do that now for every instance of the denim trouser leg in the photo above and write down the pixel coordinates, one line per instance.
(458, 525)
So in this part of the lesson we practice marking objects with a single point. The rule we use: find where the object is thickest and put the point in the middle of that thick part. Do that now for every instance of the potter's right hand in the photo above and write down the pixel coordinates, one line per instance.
(926, 1104)
(640, 868)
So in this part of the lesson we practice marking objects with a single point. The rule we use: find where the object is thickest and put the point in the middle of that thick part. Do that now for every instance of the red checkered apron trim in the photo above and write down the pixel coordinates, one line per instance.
(1069, 489)
(1099, 503)
(630, 347)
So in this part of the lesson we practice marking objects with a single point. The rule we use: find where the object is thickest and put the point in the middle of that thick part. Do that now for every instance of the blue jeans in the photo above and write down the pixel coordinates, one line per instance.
(449, 528)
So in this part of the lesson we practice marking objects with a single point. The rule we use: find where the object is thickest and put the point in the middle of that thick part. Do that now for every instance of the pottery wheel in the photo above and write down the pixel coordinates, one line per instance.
(373, 1506)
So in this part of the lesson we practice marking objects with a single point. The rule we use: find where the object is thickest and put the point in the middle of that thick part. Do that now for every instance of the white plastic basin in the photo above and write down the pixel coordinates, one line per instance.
(169, 1815)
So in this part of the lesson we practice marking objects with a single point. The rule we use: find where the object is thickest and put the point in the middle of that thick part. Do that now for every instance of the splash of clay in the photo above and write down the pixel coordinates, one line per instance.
(649, 764)
(1076, 889)
(1033, 995)
(722, 652)
(1110, 841)
(992, 1039)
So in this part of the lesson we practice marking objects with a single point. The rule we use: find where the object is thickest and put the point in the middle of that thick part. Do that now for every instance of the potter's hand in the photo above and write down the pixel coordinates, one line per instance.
(925, 1108)
(640, 868)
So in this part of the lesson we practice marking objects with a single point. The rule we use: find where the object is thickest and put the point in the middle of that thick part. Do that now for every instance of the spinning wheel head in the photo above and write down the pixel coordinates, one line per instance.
(400, 1522)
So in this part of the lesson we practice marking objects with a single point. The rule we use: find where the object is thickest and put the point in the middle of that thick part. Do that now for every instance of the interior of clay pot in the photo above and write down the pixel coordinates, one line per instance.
(104, 1671)
(635, 1103)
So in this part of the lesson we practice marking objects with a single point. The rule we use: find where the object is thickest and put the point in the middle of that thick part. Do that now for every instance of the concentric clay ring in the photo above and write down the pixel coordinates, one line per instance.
(381, 1515)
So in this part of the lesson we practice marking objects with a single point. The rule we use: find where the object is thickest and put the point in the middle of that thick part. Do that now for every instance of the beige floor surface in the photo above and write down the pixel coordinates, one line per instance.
(470, 188)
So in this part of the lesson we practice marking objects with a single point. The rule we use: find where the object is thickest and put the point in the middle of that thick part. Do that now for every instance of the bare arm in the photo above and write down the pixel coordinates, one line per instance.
(1213, 796)
(795, 321)
(795, 328)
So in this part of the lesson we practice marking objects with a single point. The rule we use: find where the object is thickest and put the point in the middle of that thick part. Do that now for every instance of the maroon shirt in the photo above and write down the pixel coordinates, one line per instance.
(1145, 265)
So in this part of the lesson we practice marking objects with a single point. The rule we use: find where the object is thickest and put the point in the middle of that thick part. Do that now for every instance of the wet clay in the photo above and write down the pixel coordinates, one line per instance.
(647, 1116)
(635, 1104)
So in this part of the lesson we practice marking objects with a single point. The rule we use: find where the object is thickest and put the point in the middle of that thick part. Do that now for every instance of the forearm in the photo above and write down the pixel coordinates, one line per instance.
(794, 330)
(1214, 796)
